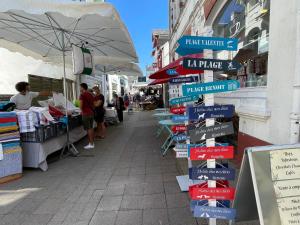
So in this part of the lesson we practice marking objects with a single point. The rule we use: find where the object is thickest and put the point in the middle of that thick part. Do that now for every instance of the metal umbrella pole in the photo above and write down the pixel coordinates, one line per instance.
(69, 146)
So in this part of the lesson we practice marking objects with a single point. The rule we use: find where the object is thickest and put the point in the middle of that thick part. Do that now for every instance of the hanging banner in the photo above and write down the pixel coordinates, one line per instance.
(212, 174)
(176, 101)
(214, 212)
(178, 110)
(196, 44)
(179, 128)
(210, 112)
(210, 64)
(216, 152)
(197, 133)
(210, 88)
(180, 80)
(212, 193)
(177, 118)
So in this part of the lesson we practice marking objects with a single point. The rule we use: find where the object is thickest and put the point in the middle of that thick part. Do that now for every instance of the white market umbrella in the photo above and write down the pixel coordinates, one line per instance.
(47, 30)
(127, 69)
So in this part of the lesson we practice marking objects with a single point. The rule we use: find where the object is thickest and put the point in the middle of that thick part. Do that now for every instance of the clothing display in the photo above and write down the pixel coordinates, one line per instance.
(10, 148)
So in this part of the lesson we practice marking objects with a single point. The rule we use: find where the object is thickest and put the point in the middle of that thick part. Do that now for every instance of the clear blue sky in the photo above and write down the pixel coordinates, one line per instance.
(141, 17)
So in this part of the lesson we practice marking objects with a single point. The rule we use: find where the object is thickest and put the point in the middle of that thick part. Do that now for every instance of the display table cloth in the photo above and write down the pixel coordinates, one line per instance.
(35, 154)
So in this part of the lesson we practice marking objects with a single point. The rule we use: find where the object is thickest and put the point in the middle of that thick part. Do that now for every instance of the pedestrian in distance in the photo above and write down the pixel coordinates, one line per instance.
(99, 113)
(87, 111)
(119, 105)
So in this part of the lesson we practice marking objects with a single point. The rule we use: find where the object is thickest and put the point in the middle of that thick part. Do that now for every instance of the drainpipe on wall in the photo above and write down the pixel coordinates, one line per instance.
(295, 115)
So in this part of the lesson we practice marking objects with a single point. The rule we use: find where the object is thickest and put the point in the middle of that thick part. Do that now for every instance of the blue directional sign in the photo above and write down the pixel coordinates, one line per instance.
(180, 80)
(180, 137)
(212, 174)
(181, 100)
(207, 112)
(172, 72)
(214, 212)
(220, 203)
(210, 64)
(195, 44)
(210, 88)
(178, 118)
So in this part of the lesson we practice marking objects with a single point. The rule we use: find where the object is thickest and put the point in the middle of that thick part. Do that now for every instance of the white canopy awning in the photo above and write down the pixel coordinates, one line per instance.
(128, 69)
(43, 29)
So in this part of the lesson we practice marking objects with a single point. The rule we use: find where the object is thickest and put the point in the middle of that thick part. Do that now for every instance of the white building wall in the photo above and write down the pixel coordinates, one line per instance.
(15, 67)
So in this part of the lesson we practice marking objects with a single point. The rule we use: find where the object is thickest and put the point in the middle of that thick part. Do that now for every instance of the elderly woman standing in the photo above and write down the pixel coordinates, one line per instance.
(99, 112)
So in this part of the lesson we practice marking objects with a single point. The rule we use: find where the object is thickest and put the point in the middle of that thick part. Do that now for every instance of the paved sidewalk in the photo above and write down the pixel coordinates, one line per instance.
(124, 181)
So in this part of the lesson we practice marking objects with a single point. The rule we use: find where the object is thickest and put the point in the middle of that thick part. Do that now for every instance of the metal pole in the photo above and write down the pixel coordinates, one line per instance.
(68, 146)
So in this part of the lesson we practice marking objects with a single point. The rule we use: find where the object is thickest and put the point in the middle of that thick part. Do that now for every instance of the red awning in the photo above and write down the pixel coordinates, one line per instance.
(159, 81)
(177, 64)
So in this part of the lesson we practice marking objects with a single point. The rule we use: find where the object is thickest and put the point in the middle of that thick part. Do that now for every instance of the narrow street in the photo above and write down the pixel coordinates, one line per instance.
(124, 181)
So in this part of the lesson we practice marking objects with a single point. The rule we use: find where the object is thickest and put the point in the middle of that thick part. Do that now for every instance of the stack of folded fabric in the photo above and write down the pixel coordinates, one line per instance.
(10, 148)
(42, 115)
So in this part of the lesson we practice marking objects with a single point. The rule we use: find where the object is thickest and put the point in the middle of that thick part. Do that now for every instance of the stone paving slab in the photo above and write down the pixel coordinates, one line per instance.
(123, 181)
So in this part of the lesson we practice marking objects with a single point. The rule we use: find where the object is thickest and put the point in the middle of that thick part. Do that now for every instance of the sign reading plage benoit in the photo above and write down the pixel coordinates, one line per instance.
(210, 88)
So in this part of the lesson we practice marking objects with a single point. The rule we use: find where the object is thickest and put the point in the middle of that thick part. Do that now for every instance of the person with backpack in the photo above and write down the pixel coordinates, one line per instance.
(87, 111)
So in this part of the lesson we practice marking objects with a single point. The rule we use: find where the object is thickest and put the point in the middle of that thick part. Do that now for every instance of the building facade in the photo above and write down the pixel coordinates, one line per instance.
(268, 103)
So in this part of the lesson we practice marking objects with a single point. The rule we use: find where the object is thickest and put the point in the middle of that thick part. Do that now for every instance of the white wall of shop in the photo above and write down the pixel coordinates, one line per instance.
(282, 62)
(15, 67)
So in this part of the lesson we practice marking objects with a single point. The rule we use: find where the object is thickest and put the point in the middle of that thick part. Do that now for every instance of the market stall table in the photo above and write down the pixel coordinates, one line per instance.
(35, 154)
(167, 124)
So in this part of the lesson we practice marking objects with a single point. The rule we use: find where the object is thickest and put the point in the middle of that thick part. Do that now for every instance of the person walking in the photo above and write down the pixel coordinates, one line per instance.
(119, 105)
(99, 113)
(87, 112)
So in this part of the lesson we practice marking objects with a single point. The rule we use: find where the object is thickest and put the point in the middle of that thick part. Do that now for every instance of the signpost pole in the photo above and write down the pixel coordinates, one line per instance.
(209, 101)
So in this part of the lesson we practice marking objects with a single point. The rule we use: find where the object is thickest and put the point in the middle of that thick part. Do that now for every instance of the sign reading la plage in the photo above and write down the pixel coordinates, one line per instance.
(201, 133)
(206, 112)
(210, 64)
(180, 80)
(195, 44)
(210, 88)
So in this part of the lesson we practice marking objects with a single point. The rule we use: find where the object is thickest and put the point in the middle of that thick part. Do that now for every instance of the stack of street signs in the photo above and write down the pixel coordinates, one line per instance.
(200, 132)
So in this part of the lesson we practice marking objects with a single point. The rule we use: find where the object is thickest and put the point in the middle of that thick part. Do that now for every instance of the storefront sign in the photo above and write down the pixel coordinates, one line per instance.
(181, 80)
(181, 100)
(205, 112)
(172, 72)
(210, 88)
(179, 128)
(210, 64)
(217, 152)
(289, 210)
(285, 164)
(212, 193)
(178, 110)
(214, 212)
(201, 133)
(179, 137)
(195, 44)
(212, 174)
(177, 118)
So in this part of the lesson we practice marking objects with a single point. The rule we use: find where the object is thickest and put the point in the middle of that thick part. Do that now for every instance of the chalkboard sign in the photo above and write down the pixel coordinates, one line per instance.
(268, 186)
